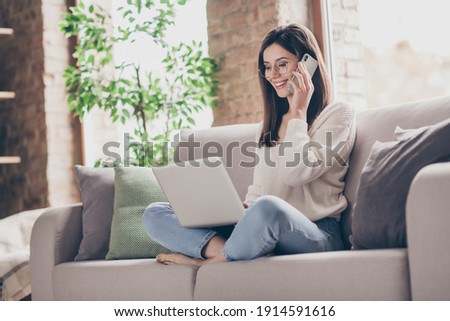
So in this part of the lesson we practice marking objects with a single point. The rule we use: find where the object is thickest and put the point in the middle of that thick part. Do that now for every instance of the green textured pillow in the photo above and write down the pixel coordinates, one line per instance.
(135, 189)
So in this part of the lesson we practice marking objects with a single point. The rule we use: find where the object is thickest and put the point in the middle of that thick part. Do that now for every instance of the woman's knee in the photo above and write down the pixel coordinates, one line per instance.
(152, 215)
(266, 209)
(155, 209)
(269, 205)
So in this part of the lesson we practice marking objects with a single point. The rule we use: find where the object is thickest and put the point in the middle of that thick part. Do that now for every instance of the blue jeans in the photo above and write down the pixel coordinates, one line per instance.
(269, 225)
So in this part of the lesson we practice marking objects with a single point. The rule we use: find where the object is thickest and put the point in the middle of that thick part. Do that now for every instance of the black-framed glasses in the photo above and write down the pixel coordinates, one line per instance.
(281, 67)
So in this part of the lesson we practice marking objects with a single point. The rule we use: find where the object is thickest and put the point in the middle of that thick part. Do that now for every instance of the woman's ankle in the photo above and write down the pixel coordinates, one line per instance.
(213, 248)
(216, 259)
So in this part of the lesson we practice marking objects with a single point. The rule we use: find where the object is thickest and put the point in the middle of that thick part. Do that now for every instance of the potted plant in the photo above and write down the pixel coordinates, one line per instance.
(186, 87)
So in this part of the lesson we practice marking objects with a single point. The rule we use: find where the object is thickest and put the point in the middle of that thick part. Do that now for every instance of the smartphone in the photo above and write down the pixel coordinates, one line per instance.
(311, 66)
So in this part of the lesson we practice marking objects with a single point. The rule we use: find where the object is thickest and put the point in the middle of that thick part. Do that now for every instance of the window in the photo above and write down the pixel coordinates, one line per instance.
(190, 22)
(387, 52)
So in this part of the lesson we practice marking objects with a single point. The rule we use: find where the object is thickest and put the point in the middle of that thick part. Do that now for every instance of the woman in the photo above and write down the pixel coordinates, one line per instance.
(292, 207)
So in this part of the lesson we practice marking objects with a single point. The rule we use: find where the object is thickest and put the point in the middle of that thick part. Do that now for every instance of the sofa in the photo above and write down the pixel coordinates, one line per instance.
(418, 272)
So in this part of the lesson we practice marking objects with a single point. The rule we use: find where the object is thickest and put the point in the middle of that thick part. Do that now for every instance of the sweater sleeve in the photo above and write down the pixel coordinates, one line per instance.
(304, 158)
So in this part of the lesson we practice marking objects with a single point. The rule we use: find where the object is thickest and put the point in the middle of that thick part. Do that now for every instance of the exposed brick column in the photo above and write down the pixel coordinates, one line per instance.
(348, 54)
(236, 29)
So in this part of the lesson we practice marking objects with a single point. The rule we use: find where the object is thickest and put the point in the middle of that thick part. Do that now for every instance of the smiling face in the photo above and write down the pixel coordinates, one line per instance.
(279, 65)
(291, 42)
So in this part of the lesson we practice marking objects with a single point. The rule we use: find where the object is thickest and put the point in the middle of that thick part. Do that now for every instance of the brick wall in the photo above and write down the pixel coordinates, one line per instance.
(234, 40)
(347, 52)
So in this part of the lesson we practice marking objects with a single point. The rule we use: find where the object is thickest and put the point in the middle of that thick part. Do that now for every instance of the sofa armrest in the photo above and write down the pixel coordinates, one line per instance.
(428, 233)
(55, 238)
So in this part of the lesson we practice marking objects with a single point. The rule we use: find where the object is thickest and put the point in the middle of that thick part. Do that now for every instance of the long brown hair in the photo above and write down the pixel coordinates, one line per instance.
(298, 40)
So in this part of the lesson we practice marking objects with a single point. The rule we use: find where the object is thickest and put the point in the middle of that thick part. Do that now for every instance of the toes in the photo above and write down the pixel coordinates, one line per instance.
(177, 258)
(162, 258)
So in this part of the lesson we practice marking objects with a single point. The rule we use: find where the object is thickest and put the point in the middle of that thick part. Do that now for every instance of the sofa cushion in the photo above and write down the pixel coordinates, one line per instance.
(379, 213)
(123, 280)
(333, 276)
(401, 133)
(135, 189)
(378, 124)
(97, 195)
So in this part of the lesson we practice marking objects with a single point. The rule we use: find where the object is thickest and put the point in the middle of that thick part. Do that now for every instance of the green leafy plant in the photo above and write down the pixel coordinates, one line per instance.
(186, 87)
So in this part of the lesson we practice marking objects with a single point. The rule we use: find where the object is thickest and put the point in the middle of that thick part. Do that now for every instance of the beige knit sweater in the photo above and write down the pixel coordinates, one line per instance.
(307, 170)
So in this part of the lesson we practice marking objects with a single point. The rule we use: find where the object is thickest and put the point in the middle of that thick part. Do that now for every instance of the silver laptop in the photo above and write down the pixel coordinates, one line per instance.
(201, 192)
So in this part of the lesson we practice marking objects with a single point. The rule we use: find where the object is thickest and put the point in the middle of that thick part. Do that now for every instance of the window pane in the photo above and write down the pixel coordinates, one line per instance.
(405, 53)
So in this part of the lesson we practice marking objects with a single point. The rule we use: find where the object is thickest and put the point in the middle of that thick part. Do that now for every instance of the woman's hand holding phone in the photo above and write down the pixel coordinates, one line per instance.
(301, 87)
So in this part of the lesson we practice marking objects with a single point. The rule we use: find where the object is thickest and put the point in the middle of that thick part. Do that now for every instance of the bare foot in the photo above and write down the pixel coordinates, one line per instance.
(177, 258)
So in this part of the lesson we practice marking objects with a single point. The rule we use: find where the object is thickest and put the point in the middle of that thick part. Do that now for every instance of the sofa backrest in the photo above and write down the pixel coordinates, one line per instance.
(379, 124)
(371, 125)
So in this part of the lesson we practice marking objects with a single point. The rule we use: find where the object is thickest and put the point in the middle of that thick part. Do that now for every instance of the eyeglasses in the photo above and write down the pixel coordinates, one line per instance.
(281, 67)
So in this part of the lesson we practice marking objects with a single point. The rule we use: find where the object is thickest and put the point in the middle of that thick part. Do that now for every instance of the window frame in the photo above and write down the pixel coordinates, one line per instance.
(322, 29)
